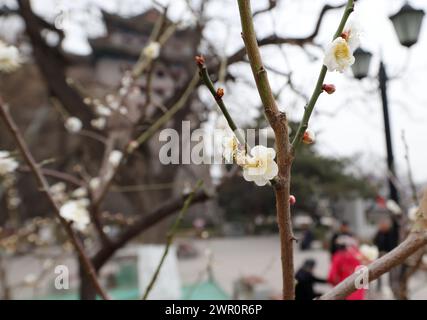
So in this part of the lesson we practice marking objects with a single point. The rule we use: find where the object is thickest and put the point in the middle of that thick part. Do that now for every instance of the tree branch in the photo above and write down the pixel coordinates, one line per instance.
(44, 186)
(414, 242)
(279, 124)
(274, 39)
(318, 89)
(204, 75)
(170, 238)
(144, 223)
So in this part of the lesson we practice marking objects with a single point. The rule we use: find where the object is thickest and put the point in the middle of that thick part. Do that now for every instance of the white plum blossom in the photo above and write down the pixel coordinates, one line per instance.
(152, 50)
(57, 191)
(338, 55)
(73, 125)
(260, 166)
(7, 163)
(76, 212)
(115, 158)
(95, 183)
(230, 146)
(58, 187)
(79, 193)
(4, 154)
(102, 111)
(9, 58)
(369, 252)
(99, 123)
(240, 158)
(123, 110)
(412, 213)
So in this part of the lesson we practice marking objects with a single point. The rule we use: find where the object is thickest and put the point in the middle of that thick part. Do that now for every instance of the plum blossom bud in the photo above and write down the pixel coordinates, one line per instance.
(152, 50)
(7, 164)
(95, 183)
(73, 125)
(99, 123)
(292, 200)
(369, 252)
(219, 93)
(115, 157)
(200, 60)
(308, 137)
(328, 88)
(9, 58)
(102, 111)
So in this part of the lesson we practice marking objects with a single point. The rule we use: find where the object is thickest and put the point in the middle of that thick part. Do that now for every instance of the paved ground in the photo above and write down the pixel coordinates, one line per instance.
(260, 256)
(231, 258)
(249, 256)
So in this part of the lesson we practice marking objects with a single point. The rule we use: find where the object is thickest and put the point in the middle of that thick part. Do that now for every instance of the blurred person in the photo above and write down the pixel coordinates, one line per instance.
(304, 289)
(386, 239)
(307, 238)
(345, 260)
(387, 236)
(344, 230)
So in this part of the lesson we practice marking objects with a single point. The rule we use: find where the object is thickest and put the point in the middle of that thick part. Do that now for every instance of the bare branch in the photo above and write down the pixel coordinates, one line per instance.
(279, 124)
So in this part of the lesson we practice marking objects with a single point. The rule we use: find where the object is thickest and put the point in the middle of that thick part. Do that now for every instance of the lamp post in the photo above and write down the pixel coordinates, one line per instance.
(407, 24)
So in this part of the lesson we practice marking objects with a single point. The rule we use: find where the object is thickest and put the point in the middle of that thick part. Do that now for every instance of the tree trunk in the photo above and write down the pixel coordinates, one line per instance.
(86, 290)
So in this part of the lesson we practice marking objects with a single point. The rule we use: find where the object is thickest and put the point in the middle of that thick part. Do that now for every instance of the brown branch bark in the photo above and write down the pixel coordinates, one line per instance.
(52, 66)
(414, 242)
(298, 41)
(144, 223)
(44, 186)
(279, 124)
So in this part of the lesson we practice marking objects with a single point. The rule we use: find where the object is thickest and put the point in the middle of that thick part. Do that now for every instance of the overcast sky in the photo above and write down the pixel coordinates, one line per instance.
(350, 122)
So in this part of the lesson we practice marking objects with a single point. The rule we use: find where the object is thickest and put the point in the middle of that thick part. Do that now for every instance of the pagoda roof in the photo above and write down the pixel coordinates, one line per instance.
(141, 23)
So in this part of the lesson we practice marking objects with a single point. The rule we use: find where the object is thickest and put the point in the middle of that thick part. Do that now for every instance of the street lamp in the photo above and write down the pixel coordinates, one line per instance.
(407, 23)
(361, 66)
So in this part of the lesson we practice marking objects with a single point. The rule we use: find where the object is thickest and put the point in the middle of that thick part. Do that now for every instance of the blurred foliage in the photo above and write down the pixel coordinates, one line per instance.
(314, 177)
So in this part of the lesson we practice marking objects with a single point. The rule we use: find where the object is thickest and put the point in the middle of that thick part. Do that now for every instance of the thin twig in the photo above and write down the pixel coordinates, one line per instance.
(204, 75)
(170, 238)
(318, 88)
(149, 133)
(410, 175)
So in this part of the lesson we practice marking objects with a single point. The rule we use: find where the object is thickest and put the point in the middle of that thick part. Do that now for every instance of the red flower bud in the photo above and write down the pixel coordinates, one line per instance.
(200, 60)
(345, 35)
(219, 93)
(329, 88)
(292, 200)
(308, 137)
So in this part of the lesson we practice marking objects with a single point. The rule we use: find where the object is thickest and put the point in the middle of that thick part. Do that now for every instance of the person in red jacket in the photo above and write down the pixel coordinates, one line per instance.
(344, 262)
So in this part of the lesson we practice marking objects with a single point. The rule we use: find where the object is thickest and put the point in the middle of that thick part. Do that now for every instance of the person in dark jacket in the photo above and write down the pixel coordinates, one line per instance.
(387, 237)
(304, 289)
(344, 230)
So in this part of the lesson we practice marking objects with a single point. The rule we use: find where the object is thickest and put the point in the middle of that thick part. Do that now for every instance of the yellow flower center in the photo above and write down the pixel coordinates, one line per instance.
(253, 163)
(342, 51)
